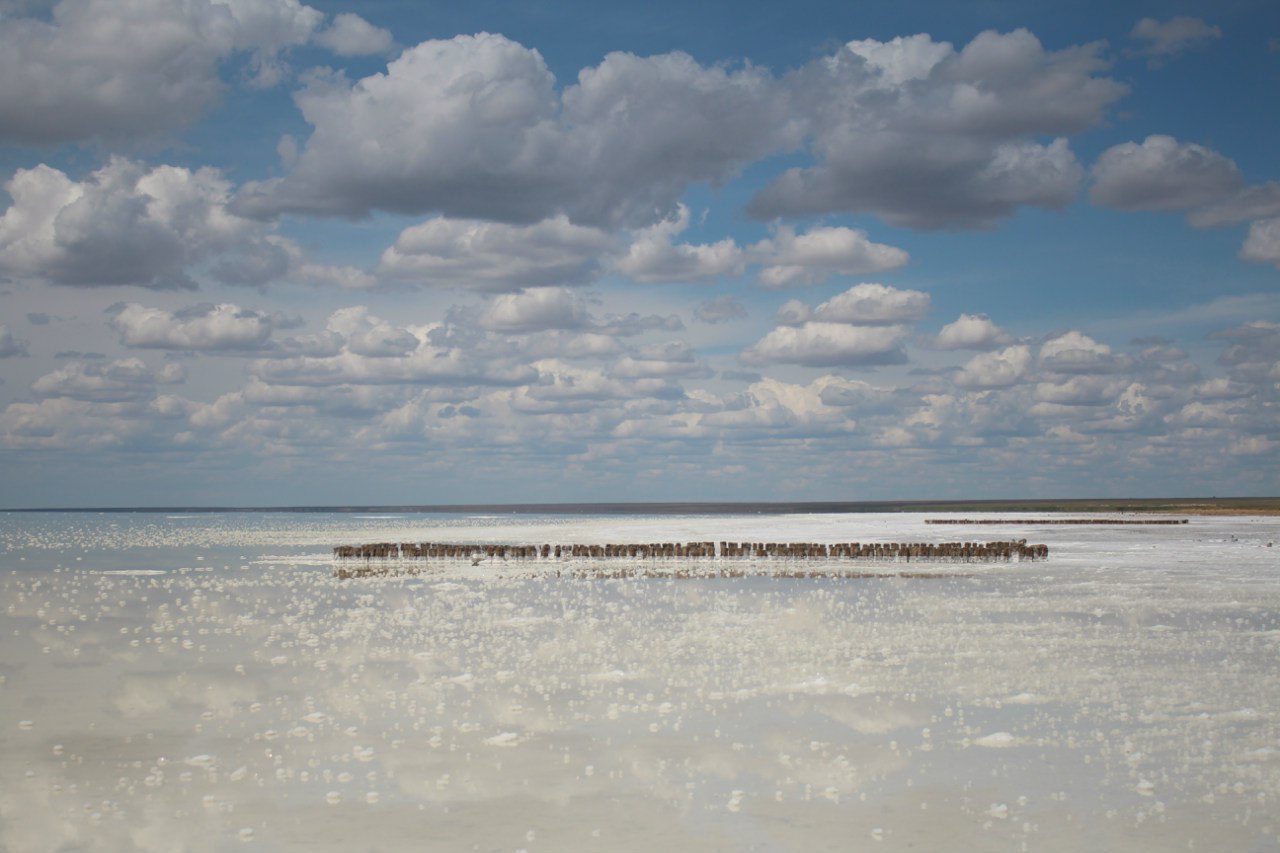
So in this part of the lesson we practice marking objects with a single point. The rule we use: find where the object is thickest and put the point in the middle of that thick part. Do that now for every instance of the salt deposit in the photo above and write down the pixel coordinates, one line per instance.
(206, 683)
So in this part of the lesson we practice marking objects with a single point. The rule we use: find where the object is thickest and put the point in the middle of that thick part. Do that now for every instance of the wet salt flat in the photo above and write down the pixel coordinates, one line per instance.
(204, 683)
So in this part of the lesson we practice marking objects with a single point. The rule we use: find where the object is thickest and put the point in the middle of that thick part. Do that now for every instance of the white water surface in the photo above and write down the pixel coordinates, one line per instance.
(207, 684)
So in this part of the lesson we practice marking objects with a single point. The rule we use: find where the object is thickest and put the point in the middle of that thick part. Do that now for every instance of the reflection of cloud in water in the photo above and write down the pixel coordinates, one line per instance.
(1063, 705)
(873, 715)
(140, 694)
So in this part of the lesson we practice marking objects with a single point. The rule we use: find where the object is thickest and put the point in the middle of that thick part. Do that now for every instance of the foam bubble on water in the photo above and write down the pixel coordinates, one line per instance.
(997, 740)
(813, 685)
(613, 675)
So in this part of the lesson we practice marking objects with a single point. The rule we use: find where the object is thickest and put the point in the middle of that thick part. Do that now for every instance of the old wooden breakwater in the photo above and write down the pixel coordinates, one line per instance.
(377, 557)
(1055, 521)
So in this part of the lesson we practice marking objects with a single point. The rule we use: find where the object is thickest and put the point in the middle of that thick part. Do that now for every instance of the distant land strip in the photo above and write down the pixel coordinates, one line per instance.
(1055, 521)
(1179, 506)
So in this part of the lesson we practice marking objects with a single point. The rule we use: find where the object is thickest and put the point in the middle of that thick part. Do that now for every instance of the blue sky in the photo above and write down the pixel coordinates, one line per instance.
(262, 252)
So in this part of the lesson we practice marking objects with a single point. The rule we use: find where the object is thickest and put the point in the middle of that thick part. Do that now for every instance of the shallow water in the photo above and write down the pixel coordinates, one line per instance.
(205, 683)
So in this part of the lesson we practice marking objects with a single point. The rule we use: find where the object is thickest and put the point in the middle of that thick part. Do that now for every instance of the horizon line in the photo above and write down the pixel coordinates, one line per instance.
(663, 507)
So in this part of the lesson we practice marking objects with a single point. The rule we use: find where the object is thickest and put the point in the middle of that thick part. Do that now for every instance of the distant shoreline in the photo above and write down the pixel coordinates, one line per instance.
(1180, 506)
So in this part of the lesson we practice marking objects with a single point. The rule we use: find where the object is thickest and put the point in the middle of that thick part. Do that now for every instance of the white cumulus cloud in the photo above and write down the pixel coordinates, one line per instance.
(874, 304)
(654, 256)
(971, 331)
(1256, 202)
(203, 328)
(791, 259)
(1167, 38)
(817, 344)
(1263, 243)
(1162, 174)
(122, 381)
(370, 336)
(865, 325)
(473, 127)
(534, 310)
(109, 70)
(995, 369)
(352, 35)
(928, 137)
(496, 257)
(1076, 352)
(126, 223)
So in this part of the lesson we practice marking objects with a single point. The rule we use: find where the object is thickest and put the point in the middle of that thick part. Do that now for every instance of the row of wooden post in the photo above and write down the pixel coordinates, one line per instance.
(906, 551)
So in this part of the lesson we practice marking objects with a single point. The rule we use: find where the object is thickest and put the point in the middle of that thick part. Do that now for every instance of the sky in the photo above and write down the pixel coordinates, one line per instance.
(257, 252)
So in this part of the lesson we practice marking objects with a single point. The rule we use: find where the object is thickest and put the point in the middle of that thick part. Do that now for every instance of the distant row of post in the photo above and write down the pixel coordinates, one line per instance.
(1055, 521)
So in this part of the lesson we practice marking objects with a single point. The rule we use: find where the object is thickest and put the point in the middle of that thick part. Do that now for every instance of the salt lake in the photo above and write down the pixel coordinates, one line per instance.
(203, 682)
